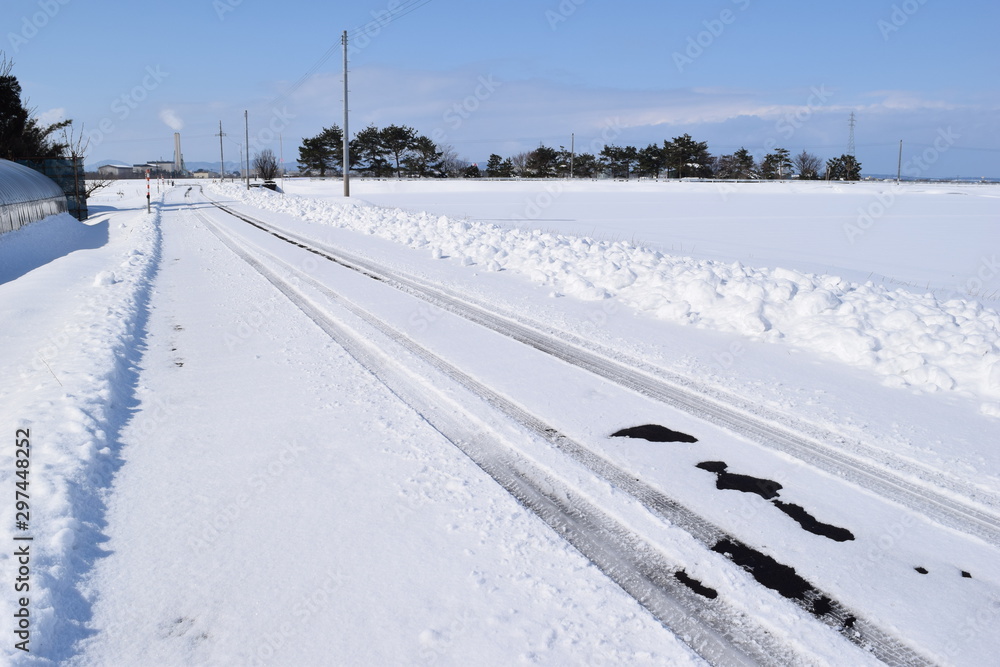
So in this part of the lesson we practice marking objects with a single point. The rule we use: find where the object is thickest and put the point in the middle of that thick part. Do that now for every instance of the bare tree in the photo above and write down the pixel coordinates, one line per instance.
(451, 165)
(76, 150)
(520, 162)
(808, 165)
(93, 185)
(266, 165)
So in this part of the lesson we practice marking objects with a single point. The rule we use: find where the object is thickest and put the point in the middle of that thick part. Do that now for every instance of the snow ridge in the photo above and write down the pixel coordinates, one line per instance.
(909, 339)
(82, 395)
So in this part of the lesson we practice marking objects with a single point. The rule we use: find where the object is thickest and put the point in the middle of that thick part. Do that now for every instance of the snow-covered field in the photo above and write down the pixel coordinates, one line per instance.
(242, 453)
(908, 288)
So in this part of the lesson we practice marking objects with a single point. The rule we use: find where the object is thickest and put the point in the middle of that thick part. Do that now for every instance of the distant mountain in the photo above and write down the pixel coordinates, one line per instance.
(231, 165)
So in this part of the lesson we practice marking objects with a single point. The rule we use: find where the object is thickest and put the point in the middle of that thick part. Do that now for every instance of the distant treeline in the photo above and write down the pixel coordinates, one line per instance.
(400, 151)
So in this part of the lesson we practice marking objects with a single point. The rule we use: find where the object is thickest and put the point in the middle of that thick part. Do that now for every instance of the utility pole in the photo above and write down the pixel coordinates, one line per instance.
(246, 126)
(222, 157)
(572, 152)
(899, 165)
(346, 141)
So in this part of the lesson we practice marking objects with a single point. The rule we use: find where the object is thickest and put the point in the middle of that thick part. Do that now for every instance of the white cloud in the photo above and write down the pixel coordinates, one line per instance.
(52, 116)
(479, 111)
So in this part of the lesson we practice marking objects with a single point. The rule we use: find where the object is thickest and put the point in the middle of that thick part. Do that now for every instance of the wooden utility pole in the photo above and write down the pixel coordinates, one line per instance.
(346, 141)
(572, 152)
(246, 127)
(222, 157)
(899, 164)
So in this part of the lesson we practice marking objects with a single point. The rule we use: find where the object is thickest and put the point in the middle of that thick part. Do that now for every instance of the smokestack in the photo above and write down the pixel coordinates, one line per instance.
(178, 160)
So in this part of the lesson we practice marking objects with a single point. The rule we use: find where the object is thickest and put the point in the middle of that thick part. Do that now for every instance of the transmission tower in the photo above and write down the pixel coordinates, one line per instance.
(850, 140)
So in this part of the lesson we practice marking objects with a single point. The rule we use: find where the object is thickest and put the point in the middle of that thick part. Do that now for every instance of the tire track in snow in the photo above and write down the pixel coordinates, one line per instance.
(720, 635)
(891, 480)
(626, 558)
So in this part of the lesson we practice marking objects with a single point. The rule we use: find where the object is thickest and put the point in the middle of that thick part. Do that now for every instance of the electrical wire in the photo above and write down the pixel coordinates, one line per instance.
(405, 8)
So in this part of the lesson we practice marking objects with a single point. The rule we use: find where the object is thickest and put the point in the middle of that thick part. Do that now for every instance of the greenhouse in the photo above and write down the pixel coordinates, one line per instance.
(26, 196)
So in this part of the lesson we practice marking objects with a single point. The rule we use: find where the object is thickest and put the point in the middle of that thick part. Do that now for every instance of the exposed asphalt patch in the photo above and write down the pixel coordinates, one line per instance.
(810, 524)
(696, 585)
(765, 488)
(766, 570)
(768, 490)
(654, 433)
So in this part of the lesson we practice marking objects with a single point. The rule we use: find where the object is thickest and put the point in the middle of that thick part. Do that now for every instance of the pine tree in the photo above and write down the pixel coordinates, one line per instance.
(619, 161)
(687, 157)
(541, 162)
(651, 161)
(776, 164)
(323, 152)
(21, 134)
(398, 142)
(740, 165)
(586, 166)
(494, 166)
(424, 159)
(371, 152)
(843, 168)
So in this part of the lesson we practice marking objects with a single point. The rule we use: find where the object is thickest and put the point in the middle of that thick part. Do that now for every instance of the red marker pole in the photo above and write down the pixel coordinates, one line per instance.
(147, 191)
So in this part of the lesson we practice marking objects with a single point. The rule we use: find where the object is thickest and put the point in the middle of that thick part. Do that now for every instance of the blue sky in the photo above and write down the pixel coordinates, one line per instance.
(505, 76)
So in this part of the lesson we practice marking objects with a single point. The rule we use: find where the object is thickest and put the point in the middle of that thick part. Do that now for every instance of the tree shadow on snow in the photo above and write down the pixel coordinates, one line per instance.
(35, 245)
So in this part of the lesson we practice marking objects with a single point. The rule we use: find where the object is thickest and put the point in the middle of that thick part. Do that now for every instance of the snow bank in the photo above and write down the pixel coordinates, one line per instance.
(73, 396)
(909, 339)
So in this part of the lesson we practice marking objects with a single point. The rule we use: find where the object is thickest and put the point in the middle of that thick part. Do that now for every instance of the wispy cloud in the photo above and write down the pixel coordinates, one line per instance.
(484, 109)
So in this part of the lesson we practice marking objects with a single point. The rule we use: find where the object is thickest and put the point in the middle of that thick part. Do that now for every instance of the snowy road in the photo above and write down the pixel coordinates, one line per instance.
(311, 466)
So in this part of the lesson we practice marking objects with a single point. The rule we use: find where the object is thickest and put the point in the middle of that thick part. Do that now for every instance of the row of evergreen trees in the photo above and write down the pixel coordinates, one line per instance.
(391, 151)
(682, 157)
(399, 151)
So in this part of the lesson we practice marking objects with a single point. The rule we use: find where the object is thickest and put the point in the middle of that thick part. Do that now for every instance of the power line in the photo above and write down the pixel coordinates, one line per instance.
(405, 8)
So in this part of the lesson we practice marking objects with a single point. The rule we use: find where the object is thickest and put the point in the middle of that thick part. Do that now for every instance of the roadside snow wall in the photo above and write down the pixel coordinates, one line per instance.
(909, 339)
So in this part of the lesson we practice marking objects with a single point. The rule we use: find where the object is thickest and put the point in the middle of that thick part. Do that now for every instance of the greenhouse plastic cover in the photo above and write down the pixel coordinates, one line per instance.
(26, 196)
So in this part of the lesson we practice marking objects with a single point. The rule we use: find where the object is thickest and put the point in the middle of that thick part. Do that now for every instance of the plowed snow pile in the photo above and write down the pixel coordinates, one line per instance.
(911, 340)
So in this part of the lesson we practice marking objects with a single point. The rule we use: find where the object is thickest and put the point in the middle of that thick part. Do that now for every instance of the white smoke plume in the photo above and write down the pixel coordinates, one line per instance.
(173, 121)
